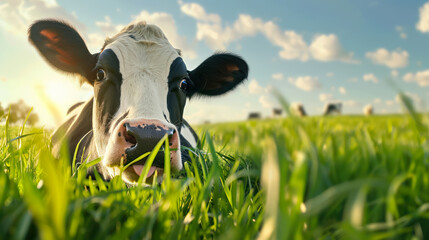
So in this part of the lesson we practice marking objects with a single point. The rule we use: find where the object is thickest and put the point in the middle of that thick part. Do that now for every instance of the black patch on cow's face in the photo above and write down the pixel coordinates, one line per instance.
(107, 91)
(176, 98)
(120, 119)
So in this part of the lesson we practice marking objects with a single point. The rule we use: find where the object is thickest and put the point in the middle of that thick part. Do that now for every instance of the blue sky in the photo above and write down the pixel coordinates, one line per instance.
(313, 52)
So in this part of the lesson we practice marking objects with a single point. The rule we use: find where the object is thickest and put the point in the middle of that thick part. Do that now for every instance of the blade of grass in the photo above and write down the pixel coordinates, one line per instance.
(150, 159)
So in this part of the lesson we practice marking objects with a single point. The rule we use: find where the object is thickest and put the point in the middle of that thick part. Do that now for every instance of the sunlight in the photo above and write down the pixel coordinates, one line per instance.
(58, 96)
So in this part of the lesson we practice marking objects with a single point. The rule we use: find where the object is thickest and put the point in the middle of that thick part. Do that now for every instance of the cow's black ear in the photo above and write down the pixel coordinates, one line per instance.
(218, 74)
(62, 47)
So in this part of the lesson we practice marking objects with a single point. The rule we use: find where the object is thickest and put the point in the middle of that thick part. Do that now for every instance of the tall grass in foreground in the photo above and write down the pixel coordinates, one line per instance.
(347, 177)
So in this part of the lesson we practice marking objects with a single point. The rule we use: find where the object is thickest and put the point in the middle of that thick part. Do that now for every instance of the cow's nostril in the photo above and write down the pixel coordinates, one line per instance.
(130, 138)
(128, 135)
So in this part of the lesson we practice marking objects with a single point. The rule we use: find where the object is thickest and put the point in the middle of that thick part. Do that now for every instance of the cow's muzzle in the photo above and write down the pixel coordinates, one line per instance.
(133, 138)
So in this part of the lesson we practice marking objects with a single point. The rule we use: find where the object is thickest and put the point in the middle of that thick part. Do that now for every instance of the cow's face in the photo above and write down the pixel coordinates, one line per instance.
(138, 99)
(140, 88)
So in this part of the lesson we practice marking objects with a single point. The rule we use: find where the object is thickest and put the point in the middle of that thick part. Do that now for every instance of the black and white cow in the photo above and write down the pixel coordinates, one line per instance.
(277, 112)
(332, 108)
(141, 85)
(298, 109)
(368, 110)
(254, 115)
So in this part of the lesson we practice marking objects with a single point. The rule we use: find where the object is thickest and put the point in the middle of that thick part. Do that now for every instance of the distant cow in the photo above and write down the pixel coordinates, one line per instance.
(277, 112)
(332, 108)
(254, 115)
(298, 109)
(368, 110)
(141, 85)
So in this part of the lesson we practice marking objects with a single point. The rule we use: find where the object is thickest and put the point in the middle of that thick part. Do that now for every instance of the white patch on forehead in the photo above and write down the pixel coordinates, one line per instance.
(144, 68)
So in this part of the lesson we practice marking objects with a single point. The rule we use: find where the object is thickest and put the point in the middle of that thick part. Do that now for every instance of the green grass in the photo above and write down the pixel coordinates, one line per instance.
(346, 177)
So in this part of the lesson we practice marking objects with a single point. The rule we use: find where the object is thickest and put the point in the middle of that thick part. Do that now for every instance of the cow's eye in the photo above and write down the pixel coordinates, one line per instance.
(184, 85)
(101, 75)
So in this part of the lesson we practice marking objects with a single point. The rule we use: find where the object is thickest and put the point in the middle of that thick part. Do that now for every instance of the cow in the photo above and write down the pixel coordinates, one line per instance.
(332, 108)
(368, 110)
(254, 115)
(141, 85)
(277, 112)
(298, 109)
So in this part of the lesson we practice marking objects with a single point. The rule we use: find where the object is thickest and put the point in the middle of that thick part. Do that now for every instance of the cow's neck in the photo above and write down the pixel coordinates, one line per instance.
(78, 131)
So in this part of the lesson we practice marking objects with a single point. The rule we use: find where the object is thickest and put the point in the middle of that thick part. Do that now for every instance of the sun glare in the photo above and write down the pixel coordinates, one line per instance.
(58, 96)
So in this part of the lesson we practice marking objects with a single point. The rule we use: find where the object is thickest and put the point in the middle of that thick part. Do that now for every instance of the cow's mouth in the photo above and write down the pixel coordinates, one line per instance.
(138, 169)
(132, 174)
(135, 171)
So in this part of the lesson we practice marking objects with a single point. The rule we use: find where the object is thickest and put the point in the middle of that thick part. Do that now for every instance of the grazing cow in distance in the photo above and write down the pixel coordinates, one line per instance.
(368, 110)
(298, 109)
(254, 115)
(141, 85)
(277, 112)
(332, 108)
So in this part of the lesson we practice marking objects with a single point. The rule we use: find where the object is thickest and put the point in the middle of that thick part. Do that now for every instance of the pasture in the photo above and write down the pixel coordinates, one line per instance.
(345, 177)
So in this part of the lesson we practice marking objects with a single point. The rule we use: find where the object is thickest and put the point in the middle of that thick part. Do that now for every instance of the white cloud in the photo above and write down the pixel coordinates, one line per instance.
(423, 23)
(218, 36)
(269, 88)
(421, 78)
(326, 97)
(329, 74)
(17, 15)
(306, 83)
(395, 59)
(255, 88)
(96, 39)
(370, 78)
(401, 32)
(264, 98)
(394, 73)
(266, 102)
(107, 27)
(328, 48)
(197, 11)
(342, 90)
(277, 76)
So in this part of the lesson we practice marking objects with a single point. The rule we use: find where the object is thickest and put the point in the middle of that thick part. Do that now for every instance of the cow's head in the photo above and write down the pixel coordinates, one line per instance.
(140, 88)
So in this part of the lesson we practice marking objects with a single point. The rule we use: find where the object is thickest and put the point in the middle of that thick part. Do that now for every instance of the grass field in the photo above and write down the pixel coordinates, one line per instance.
(346, 177)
